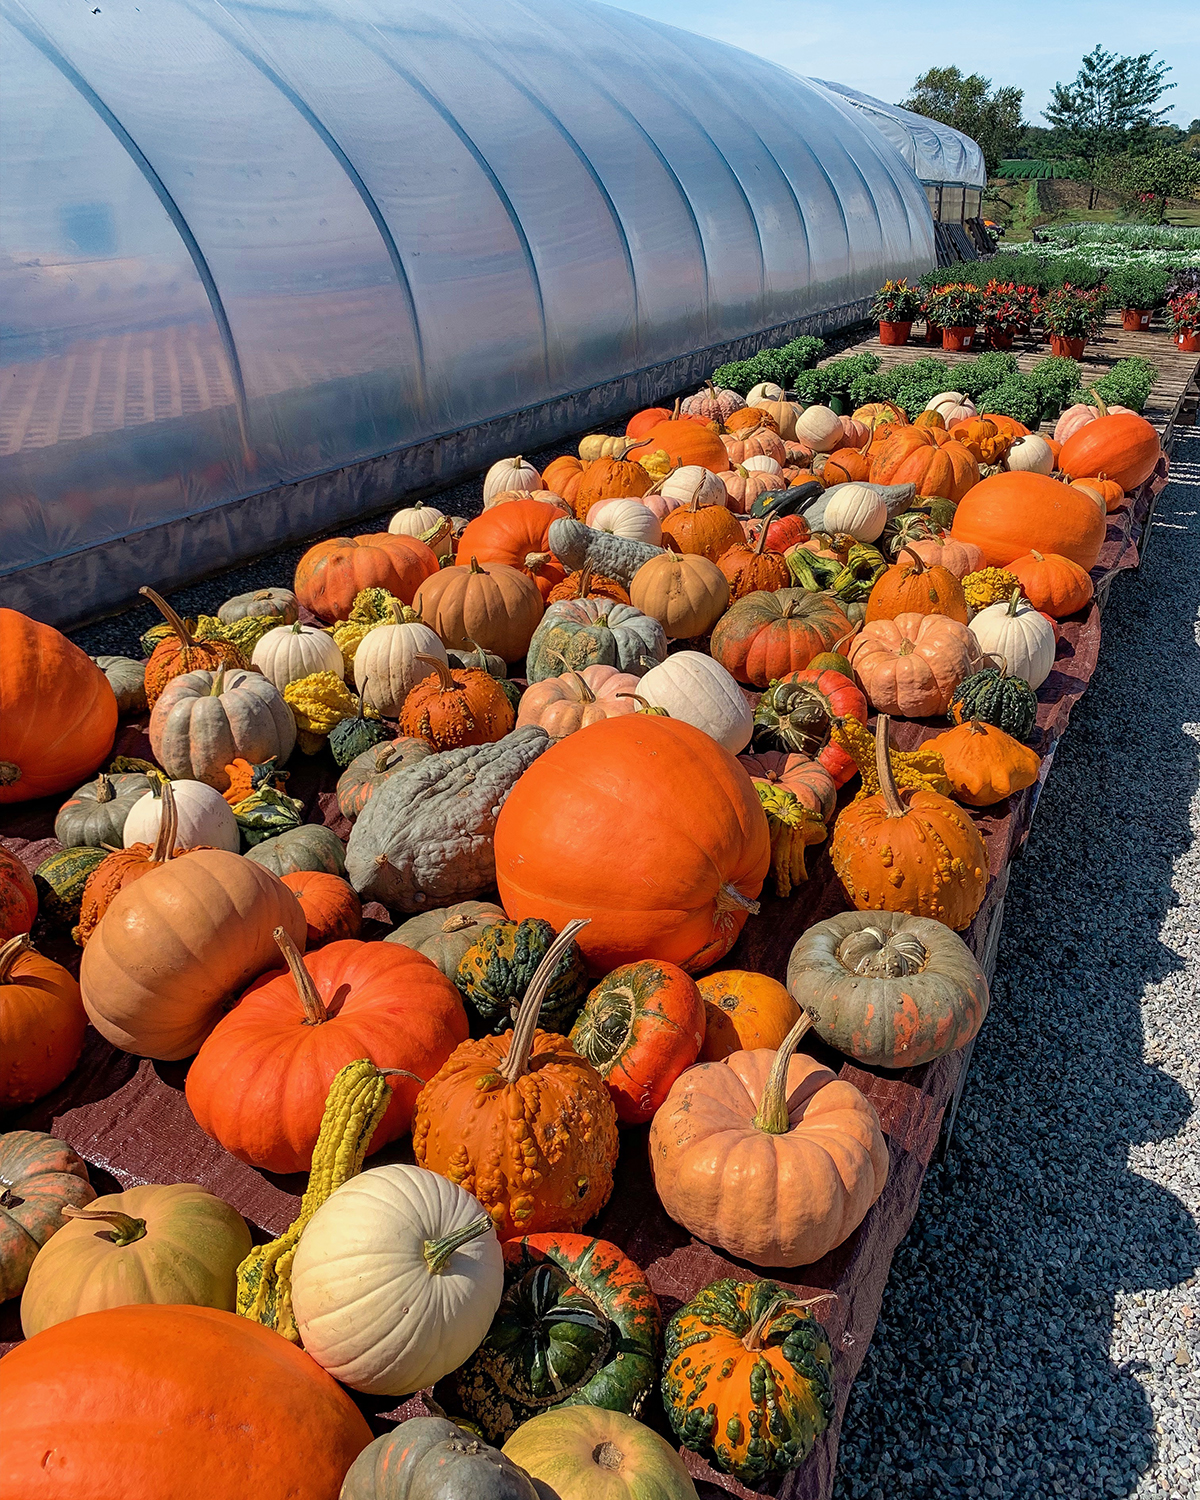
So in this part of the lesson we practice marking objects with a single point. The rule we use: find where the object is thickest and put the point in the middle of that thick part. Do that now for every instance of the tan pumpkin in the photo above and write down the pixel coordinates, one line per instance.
(820, 428)
(483, 604)
(754, 441)
(687, 594)
(910, 666)
(743, 486)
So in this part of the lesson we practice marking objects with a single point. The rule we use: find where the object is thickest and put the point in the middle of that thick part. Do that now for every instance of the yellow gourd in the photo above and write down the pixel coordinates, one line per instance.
(318, 702)
(989, 586)
(922, 769)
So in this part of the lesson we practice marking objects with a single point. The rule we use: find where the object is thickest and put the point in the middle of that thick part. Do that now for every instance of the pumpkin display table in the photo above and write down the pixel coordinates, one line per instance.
(129, 1117)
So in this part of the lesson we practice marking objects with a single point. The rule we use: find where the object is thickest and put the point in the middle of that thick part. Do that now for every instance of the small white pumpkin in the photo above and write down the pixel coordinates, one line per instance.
(856, 508)
(510, 474)
(627, 518)
(695, 688)
(765, 391)
(820, 428)
(204, 817)
(290, 652)
(692, 482)
(425, 523)
(502, 497)
(762, 463)
(952, 406)
(386, 668)
(396, 1280)
(1020, 635)
(1031, 455)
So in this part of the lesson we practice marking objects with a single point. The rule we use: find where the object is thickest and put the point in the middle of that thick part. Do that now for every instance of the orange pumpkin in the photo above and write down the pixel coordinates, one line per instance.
(451, 709)
(18, 896)
(1122, 445)
(1008, 514)
(560, 471)
(750, 419)
(41, 1023)
(914, 456)
(743, 1011)
(124, 866)
(1108, 489)
(845, 465)
(911, 665)
(517, 534)
(521, 1120)
(758, 441)
(914, 586)
(768, 1155)
(911, 851)
(609, 479)
(58, 712)
(752, 569)
(930, 419)
(692, 837)
(330, 575)
(983, 438)
(260, 1081)
(489, 605)
(984, 764)
(685, 442)
(701, 530)
(586, 583)
(1055, 585)
(642, 421)
(330, 904)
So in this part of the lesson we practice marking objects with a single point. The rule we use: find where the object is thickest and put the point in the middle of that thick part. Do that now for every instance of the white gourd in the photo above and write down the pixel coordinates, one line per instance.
(628, 518)
(290, 652)
(695, 688)
(820, 428)
(765, 391)
(762, 463)
(422, 521)
(510, 474)
(952, 406)
(384, 1297)
(1019, 634)
(204, 818)
(858, 509)
(386, 668)
(1030, 455)
(692, 482)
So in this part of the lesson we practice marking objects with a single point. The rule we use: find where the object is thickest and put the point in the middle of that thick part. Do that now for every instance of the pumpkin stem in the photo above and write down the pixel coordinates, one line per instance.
(1099, 399)
(584, 577)
(919, 564)
(1014, 601)
(125, 1228)
(585, 693)
(445, 677)
(168, 827)
(314, 1006)
(169, 615)
(883, 769)
(457, 922)
(475, 568)
(516, 1064)
(437, 1253)
(729, 898)
(218, 686)
(761, 540)
(772, 1113)
(11, 951)
(10, 774)
(647, 707)
(105, 791)
(753, 1339)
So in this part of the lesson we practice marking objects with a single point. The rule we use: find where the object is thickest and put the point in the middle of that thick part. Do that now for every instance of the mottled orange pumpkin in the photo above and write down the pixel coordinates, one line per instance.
(701, 530)
(913, 586)
(744, 1010)
(752, 569)
(453, 708)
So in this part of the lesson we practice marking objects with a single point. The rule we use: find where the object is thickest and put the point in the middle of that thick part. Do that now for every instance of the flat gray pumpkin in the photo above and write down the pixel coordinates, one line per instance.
(425, 837)
(445, 935)
(127, 678)
(312, 846)
(278, 604)
(578, 633)
(95, 814)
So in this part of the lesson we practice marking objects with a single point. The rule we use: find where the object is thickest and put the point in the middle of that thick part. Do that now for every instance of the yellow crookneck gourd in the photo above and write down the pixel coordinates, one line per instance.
(922, 769)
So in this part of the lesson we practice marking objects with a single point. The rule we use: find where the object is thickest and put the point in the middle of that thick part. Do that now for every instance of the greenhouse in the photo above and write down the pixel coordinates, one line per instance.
(266, 266)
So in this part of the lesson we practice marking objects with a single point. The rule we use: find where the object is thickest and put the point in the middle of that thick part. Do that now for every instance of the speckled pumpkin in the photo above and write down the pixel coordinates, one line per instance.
(453, 709)
(499, 966)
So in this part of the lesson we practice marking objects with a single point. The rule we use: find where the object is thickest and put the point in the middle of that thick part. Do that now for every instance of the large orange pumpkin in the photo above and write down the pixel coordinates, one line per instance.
(609, 479)
(1121, 445)
(58, 712)
(517, 534)
(914, 455)
(331, 574)
(685, 442)
(189, 1402)
(644, 824)
(1007, 515)
(913, 586)
(41, 1023)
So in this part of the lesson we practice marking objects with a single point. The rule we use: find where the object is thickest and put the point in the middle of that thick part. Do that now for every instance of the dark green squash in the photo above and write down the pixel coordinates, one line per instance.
(499, 966)
(790, 502)
(96, 813)
(991, 695)
(429, 1458)
(368, 771)
(350, 737)
(792, 717)
(60, 879)
(577, 1326)
(312, 846)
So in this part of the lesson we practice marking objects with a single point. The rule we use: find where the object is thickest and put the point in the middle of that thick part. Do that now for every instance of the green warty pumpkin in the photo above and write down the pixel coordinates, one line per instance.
(995, 698)
(499, 966)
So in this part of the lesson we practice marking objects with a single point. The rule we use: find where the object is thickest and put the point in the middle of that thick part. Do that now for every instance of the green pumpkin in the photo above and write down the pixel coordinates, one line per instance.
(577, 1326)
(444, 935)
(831, 661)
(127, 678)
(499, 966)
(312, 846)
(265, 814)
(995, 698)
(349, 738)
(96, 813)
(792, 717)
(160, 632)
(480, 661)
(279, 606)
(60, 880)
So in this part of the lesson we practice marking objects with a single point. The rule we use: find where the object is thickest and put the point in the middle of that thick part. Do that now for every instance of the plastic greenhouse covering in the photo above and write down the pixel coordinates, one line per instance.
(935, 152)
(266, 266)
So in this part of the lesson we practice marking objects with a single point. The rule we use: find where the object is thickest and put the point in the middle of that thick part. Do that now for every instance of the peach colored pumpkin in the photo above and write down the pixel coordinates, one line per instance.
(1079, 416)
(743, 487)
(960, 558)
(752, 442)
(910, 666)
(562, 705)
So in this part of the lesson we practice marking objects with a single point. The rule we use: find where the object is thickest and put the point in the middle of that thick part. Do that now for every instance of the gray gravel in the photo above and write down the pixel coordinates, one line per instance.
(1040, 1333)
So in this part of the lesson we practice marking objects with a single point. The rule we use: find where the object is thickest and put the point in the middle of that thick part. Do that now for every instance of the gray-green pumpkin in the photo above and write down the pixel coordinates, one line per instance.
(429, 1458)
(350, 737)
(617, 557)
(127, 678)
(280, 604)
(312, 846)
(96, 813)
(444, 935)
(578, 633)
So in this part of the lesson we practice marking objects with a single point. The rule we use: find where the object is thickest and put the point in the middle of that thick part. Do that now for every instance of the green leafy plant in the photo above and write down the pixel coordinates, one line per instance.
(955, 305)
(896, 302)
(1015, 397)
(1128, 383)
(1056, 377)
(989, 369)
(1138, 286)
(1072, 312)
(781, 365)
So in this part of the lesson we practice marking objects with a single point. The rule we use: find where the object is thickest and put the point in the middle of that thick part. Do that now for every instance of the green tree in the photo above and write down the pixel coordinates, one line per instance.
(992, 119)
(1166, 172)
(1109, 109)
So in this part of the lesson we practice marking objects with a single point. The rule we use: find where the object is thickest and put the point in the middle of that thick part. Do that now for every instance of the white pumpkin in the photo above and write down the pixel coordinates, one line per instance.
(1031, 455)
(290, 652)
(422, 521)
(952, 406)
(762, 463)
(627, 518)
(204, 818)
(856, 508)
(765, 391)
(396, 1280)
(820, 428)
(510, 474)
(502, 497)
(386, 668)
(692, 482)
(1020, 636)
(695, 688)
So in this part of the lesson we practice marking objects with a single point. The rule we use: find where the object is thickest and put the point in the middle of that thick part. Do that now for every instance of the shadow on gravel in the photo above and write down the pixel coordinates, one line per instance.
(989, 1374)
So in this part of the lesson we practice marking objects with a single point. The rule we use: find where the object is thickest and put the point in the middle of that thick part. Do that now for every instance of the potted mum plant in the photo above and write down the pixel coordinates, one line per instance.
(1070, 315)
(1183, 316)
(955, 310)
(1137, 290)
(896, 305)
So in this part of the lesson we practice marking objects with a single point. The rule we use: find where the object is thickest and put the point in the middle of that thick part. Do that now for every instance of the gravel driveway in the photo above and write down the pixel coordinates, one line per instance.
(1040, 1333)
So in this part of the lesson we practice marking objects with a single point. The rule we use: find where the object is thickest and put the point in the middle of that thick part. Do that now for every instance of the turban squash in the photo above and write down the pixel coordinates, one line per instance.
(644, 824)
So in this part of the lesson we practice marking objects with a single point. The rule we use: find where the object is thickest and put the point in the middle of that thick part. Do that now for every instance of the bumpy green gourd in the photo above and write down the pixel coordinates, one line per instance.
(991, 695)
(499, 966)
(350, 737)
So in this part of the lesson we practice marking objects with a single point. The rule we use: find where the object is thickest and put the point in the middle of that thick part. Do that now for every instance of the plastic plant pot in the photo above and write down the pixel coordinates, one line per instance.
(894, 333)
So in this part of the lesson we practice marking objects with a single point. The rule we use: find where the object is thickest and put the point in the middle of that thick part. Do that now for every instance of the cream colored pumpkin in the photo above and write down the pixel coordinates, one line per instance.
(764, 391)
(290, 652)
(952, 406)
(695, 688)
(820, 428)
(785, 414)
(502, 497)
(1019, 635)
(627, 518)
(386, 665)
(687, 594)
(205, 818)
(427, 524)
(762, 463)
(597, 445)
(510, 474)
(858, 509)
(396, 1280)
(691, 482)
(1030, 455)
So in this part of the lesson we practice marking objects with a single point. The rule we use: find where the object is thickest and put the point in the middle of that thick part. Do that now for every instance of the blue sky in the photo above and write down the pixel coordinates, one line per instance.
(882, 48)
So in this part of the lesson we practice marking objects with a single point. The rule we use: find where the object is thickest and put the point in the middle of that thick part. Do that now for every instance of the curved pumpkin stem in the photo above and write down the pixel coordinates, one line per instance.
(647, 707)
(314, 1006)
(218, 686)
(772, 1113)
(105, 791)
(1014, 601)
(585, 693)
(883, 769)
(126, 1229)
(168, 827)
(169, 615)
(445, 676)
(761, 540)
(516, 1064)
(437, 1252)
(11, 951)
(920, 565)
(753, 1339)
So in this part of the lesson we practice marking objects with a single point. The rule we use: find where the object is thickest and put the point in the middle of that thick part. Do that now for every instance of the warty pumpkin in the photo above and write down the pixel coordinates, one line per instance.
(499, 966)
(1052, 584)
(686, 594)
(41, 1023)
(744, 1011)
(910, 851)
(453, 709)
(489, 605)
(1008, 514)
(124, 866)
(996, 697)
(587, 583)
(41, 1176)
(522, 1121)
(888, 989)
(180, 652)
(766, 635)
(768, 1155)
(693, 844)
(752, 569)
(912, 664)
(609, 479)
(58, 712)
(913, 586)
(331, 574)
(984, 764)
(1122, 445)
(260, 1081)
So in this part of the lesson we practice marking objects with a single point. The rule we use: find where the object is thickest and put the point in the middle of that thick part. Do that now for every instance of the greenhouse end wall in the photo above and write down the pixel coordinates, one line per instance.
(267, 266)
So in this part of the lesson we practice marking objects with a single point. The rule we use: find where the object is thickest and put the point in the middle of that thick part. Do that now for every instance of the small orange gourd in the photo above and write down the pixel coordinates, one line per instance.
(1056, 585)
(984, 764)
(913, 586)
(744, 1010)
